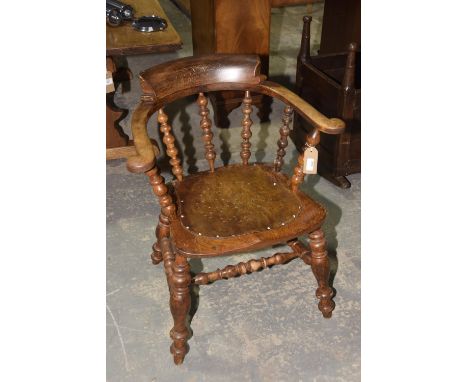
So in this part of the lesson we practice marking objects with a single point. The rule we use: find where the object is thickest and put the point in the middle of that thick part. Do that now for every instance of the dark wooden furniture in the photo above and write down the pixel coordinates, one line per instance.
(341, 24)
(231, 209)
(184, 5)
(123, 41)
(332, 84)
(238, 27)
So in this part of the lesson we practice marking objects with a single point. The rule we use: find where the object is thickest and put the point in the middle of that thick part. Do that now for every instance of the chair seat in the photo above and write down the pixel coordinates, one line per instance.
(238, 208)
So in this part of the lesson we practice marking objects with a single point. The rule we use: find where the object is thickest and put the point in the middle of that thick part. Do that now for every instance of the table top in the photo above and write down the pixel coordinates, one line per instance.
(124, 40)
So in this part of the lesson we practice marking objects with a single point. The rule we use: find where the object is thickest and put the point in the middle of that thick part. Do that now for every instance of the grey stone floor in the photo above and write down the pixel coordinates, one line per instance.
(261, 327)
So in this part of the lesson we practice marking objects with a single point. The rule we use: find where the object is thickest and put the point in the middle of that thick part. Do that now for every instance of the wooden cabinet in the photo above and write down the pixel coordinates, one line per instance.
(332, 84)
(341, 25)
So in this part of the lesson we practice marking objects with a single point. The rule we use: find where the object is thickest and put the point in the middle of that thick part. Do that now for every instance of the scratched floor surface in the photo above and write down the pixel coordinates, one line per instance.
(261, 327)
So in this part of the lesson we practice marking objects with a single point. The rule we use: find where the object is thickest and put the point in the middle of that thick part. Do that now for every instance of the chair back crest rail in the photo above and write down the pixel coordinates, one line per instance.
(167, 82)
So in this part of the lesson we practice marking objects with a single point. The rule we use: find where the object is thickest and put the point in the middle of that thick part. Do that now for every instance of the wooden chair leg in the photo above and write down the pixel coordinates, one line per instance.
(162, 231)
(156, 256)
(180, 305)
(321, 270)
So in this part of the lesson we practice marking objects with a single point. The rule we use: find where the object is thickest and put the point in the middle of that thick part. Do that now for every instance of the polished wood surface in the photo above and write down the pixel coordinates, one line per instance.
(263, 220)
(169, 140)
(283, 140)
(192, 75)
(205, 125)
(331, 83)
(232, 26)
(235, 201)
(231, 209)
(124, 40)
(286, 3)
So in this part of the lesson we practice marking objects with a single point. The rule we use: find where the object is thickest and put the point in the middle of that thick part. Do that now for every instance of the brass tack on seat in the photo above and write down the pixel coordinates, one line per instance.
(282, 223)
(187, 227)
(217, 235)
(268, 228)
(294, 216)
(199, 233)
(181, 216)
(274, 184)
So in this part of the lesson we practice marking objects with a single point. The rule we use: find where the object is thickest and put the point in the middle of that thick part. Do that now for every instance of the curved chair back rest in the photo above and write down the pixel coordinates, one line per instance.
(169, 81)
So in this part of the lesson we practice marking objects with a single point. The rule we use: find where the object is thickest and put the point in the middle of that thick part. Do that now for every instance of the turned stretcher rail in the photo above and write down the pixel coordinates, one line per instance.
(251, 266)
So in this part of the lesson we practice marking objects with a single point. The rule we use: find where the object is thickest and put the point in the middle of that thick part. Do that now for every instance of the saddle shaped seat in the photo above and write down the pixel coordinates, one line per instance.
(239, 208)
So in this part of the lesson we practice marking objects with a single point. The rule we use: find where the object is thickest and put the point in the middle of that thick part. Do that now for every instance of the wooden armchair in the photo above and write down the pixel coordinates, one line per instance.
(231, 209)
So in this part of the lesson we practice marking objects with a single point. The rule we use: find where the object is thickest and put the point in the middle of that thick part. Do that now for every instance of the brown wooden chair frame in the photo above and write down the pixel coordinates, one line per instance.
(170, 81)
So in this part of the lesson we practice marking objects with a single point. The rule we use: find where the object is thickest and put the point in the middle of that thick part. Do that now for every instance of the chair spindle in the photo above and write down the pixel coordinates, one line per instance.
(168, 140)
(312, 140)
(246, 123)
(283, 140)
(205, 124)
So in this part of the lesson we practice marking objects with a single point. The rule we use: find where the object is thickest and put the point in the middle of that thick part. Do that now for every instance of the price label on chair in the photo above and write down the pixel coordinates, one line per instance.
(310, 161)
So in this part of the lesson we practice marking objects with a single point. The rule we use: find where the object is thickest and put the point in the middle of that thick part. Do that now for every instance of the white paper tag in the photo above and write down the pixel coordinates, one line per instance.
(310, 164)
(310, 161)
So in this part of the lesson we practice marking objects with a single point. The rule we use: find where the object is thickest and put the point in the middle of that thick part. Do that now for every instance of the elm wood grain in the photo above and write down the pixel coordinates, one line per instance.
(231, 209)
(253, 236)
(331, 83)
(124, 40)
(232, 201)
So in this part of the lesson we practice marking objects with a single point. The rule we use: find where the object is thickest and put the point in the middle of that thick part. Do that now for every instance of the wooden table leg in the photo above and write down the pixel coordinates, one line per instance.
(118, 144)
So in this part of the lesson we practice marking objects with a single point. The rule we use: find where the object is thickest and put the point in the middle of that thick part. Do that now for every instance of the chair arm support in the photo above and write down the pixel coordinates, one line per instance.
(311, 114)
(145, 158)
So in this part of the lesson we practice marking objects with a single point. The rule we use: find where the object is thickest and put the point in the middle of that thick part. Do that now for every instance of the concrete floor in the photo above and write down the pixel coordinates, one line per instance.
(261, 327)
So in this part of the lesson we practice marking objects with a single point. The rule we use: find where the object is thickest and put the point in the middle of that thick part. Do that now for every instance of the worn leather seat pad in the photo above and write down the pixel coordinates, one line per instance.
(235, 200)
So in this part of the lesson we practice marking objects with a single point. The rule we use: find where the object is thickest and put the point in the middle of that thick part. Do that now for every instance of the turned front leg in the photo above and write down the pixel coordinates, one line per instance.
(321, 270)
(180, 305)
(167, 210)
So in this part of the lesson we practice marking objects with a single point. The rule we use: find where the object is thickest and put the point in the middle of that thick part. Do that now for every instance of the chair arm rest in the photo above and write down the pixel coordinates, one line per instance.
(145, 158)
(308, 112)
